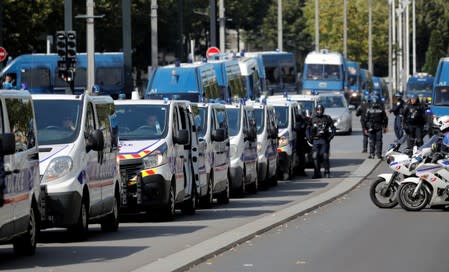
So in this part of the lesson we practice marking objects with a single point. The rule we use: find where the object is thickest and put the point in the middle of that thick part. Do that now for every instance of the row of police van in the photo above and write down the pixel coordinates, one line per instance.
(72, 160)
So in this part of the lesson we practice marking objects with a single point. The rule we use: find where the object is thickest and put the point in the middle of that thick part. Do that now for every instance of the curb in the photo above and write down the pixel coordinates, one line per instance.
(186, 258)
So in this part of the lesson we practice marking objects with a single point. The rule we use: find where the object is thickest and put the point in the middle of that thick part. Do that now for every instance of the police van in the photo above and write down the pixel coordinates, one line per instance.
(159, 156)
(77, 153)
(267, 142)
(243, 152)
(19, 172)
(286, 115)
(212, 127)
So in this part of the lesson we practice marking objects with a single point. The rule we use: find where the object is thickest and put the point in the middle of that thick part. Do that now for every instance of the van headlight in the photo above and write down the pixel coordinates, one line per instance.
(283, 141)
(58, 167)
(156, 158)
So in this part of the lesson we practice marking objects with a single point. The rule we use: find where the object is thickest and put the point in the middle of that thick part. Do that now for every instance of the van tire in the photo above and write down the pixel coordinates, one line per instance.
(223, 197)
(254, 186)
(206, 201)
(168, 212)
(189, 205)
(81, 228)
(26, 243)
(111, 222)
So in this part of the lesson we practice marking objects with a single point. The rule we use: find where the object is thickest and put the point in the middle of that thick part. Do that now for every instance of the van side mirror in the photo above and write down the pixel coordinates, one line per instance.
(218, 135)
(7, 144)
(274, 133)
(181, 137)
(95, 141)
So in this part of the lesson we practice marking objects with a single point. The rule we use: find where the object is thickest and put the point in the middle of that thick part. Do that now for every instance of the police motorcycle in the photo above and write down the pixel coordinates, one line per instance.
(430, 186)
(383, 191)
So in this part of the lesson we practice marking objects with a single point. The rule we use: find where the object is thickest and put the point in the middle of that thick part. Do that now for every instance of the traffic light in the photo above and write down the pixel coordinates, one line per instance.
(71, 44)
(61, 44)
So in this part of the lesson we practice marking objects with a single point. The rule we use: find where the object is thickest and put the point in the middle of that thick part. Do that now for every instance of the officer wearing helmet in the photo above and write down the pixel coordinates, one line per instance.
(414, 121)
(361, 112)
(397, 110)
(376, 122)
(441, 146)
(320, 132)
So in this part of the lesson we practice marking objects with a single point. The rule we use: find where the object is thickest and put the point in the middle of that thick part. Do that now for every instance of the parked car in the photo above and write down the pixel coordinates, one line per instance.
(158, 156)
(78, 151)
(19, 187)
(337, 108)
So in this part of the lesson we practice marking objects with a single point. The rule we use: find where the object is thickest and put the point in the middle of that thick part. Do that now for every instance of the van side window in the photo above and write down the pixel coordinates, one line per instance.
(20, 113)
(36, 77)
(104, 119)
(90, 119)
(183, 115)
(175, 119)
(222, 118)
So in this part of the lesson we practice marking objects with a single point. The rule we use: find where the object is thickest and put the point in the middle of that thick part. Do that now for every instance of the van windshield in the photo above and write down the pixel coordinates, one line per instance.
(259, 114)
(57, 121)
(323, 72)
(282, 116)
(441, 96)
(142, 122)
(233, 121)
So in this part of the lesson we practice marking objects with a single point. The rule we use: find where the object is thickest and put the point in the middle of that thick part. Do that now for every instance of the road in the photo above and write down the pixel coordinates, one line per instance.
(140, 242)
(347, 235)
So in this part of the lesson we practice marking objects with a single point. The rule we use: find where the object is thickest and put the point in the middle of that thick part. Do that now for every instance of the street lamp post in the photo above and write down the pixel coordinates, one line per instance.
(370, 46)
(317, 25)
(280, 25)
(345, 26)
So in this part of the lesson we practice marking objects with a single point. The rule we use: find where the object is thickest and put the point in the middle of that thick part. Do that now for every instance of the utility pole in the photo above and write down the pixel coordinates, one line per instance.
(406, 42)
(222, 18)
(414, 35)
(317, 25)
(389, 54)
(126, 36)
(68, 15)
(370, 41)
(400, 49)
(345, 28)
(393, 42)
(213, 23)
(280, 25)
(154, 41)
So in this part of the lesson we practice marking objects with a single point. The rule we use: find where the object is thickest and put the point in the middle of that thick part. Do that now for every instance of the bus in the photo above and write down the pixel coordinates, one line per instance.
(280, 71)
(38, 73)
(352, 89)
(324, 71)
(420, 85)
(187, 81)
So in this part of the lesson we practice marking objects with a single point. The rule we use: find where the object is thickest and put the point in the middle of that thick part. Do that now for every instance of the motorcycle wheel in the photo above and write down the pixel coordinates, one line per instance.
(410, 203)
(381, 196)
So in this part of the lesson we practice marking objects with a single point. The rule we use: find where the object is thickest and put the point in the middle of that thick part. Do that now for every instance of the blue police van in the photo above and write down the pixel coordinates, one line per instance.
(229, 79)
(440, 91)
(421, 86)
(38, 73)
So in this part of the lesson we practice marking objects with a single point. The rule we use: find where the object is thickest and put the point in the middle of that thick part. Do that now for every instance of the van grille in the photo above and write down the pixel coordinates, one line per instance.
(130, 170)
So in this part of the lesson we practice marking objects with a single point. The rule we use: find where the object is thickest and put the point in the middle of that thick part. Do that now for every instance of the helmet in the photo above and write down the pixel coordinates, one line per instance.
(443, 123)
(319, 109)
(412, 96)
(398, 94)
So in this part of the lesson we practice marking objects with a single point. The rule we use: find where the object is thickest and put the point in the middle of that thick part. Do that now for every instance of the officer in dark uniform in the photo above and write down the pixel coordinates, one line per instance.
(398, 110)
(414, 121)
(361, 112)
(376, 122)
(301, 144)
(320, 132)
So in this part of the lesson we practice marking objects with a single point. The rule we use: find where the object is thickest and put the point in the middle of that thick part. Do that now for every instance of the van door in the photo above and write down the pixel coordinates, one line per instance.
(93, 165)
(24, 163)
(252, 146)
(221, 148)
(107, 165)
(179, 157)
(6, 211)
(188, 167)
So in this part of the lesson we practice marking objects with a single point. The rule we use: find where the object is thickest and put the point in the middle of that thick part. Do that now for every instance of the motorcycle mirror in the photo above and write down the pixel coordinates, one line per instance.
(415, 148)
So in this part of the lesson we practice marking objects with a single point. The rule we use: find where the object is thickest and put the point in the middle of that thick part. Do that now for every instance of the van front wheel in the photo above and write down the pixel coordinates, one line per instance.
(26, 243)
(111, 222)
(80, 230)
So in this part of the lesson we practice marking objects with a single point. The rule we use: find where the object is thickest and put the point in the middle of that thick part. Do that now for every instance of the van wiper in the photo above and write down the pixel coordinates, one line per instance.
(442, 104)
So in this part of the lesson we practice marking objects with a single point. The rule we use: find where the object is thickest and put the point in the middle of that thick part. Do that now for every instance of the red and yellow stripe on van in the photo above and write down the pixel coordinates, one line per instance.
(135, 155)
(144, 173)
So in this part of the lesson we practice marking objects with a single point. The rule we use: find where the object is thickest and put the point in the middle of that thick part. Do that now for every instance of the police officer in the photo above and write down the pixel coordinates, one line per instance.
(376, 122)
(398, 110)
(361, 112)
(320, 132)
(301, 145)
(414, 121)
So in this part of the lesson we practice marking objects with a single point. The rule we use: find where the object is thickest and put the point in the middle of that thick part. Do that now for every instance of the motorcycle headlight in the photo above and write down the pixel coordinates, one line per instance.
(58, 167)
(259, 147)
(156, 158)
(390, 159)
(283, 141)
(413, 166)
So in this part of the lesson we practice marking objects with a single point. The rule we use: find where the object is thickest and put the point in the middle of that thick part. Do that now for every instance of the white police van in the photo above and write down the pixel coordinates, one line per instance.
(78, 161)
(267, 142)
(159, 157)
(19, 172)
(243, 152)
(286, 115)
(212, 127)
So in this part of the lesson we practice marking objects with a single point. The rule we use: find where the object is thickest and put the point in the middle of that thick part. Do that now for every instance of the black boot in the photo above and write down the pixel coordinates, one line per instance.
(327, 174)
(317, 175)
